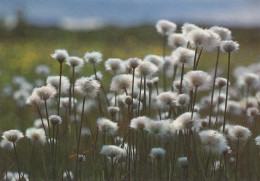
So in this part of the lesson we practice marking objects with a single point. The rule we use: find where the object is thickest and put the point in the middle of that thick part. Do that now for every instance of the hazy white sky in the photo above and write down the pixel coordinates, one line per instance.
(95, 13)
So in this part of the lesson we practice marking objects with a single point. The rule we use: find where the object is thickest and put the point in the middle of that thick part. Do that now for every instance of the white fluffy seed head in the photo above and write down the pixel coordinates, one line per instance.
(188, 27)
(106, 126)
(45, 92)
(87, 86)
(115, 65)
(176, 40)
(198, 37)
(252, 112)
(13, 135)
(133, 62)
(240, 133)
(85, 132)
(213, 41)
(183, 161)
(112, 151)
(155, 59)
(198, 79)
(60, 55)
(184, 56)
(224, 33)
(184, 121)
(36, 135)
(229, 46)
(220, 82)
(55, 82)
(112, 110)
(165, 100)
(257, 141)
(250, 80)
(40, 124)
(157, 153)
(139, 122)
(98, 76)
(7, 145)
(93, 57)
(42, 70)
(35, 100)
(213, 141)
(147, 68)
(155, 80)
(121, 83)
(165, 27)
(65, 102)
(74, 61)
(182, 100)
(55, 120)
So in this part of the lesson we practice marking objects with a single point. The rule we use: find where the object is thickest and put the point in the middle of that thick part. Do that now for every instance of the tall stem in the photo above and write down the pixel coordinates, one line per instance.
(164, 68)
(140, 92)
(133, 81)
(213, 87)
(182, 72)
(144, 95)
(195, 58)
(40, 114)
(59, 89)
(194, 101)
(226, 101)
(174, 75)
(47, 116)
(197, 63)
(73, 99)
(237, 158)
(17, 162)
(78, 143)
(150, 99)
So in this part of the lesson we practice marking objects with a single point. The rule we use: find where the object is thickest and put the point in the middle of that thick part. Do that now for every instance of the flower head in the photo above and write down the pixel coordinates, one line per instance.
(224, 33)
(183, 161)
(139, 122)
(121, 83)
(93, 57)
(165, 27)
(176, 40)
(13, 135)
(45, 92)
(198, 79)
(115, 65)
(188, 27)
(184, 56)
(240, 133)
(87, 86)
(106, 126)
(165, 100)
(157, 153)
(60, 55)
(75, 62)
(55, 82)
(229, 46)
(112, 151)
(147, 68)
(55, 120)
(36, 135)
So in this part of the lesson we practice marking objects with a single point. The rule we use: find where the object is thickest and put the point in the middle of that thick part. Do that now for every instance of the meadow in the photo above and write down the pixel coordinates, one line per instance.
(178, 155)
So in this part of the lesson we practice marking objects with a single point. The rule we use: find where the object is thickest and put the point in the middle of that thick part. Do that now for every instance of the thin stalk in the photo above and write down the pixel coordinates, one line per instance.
(53, 153)
(133, 80)
(79, 136)
(74, 103)
(226, 101)
(31, 158)
(164, 67)
(182, 72)
(59, 90)
(150, 100)
(140, 92)
(195, 58)
(40, 114)
(197, 63)
(213, 87)
(219, 92)
(47, 116)
(174, 75)
(157, 90)
(144, 95)
(17, 162)
(194, 101)
(237, 158)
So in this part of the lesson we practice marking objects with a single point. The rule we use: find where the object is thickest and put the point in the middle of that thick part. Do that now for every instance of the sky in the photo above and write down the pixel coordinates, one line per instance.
(92, 14)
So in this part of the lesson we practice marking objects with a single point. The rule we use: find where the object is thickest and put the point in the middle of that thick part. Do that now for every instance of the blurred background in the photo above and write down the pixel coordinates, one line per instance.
(31, 30)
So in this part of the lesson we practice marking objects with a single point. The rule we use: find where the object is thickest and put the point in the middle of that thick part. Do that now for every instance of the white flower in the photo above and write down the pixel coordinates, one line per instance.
(42, 70)
(93, 57)
(165, 27)
(112, 110)
(155, 59)
(121, 83)
(224, 33)
(257, 140)
(147, 69)
(98, 76)
(240, 133)
(220, 82)
(74, 62)
(87, 86)
(187, 28)
(38, 123)
(67, 175)
(184, 56)
(55, 120)
(45, 92)
(198, 79)
(106, 126)
(182, 100)
(184, 121)
(139, 122)
(157, 153)
(213, 141)
(133, 62)
(176, 40)
(183, 161)
(198, 37)
(112, 151)
(55, 82)
(36, 135)
(165, 101)
(65, 102)
(7, 145)
(229, 46)
(115, 65)
(60, 55)
(13, 135)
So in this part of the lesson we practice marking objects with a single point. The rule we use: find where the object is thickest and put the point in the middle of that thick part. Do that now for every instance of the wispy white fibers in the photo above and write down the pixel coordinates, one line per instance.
(45, 92)
(229, 46)
(60, 55)
(65, 101)
(147, 69)
(198, 37)
(36, 135)
(165, 101)
(184, 121)
(165, 27)
(38, 123)
(198, 79)
(98, 76)
(93, 57)
(220, 82)
(155, 59)
(75, 62)
(183, 161)
(67, 175)
(157, 153)
(112, 151)
(112, 110)
(176, 40)
(121, 83)
(250, 80)
(213, 141)
(55, 120)
(55, 82)
(115, 66)
(224, 33)
(42, 70)
(87, 86)
(188, 27)
(182, 100)
(184, 56)
(133, 63)
(139, 122)
(185, 86)
(7, 145)
(13, 135)
(106, 126)
(240, 133)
